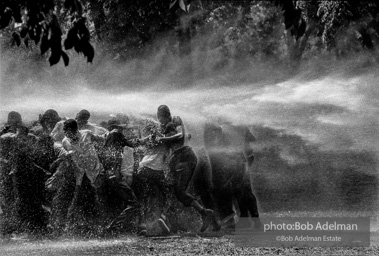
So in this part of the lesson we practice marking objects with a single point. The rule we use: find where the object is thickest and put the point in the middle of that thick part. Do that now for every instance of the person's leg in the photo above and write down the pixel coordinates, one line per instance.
(73, 211)
(182, 167)
(127, 219)
(224, 202)
(159, 200)
(248, 204)
(83, 213)
(156, 198)
(125, 193)
(29, 209)
(203, 184)
(8, 199)
(60, 205)
(38, 216)
(164, 190)
(62, 198)
(181, 181)
(18, 179)
(143, 188)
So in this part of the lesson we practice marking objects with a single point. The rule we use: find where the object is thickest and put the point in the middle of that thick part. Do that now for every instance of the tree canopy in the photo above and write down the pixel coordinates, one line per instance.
(284, 29)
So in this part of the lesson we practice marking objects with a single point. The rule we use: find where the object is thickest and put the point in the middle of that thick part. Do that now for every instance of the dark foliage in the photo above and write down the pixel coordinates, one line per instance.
(78, 37)
(293, 19)
(36, 21)
(127, 27)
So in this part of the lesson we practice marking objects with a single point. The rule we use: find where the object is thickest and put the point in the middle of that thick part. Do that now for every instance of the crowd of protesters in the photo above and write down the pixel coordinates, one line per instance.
(69, 175)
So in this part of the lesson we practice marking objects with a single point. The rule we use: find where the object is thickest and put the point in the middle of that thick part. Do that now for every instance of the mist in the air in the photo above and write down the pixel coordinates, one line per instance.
(316, 124)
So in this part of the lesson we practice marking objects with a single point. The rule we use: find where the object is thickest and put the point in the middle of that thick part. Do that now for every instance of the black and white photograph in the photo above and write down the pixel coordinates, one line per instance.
(189, 127)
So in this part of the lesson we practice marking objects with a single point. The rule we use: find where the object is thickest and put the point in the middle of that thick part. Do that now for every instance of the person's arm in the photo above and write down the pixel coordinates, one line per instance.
(127, 165)
(180, 131)
(57, 162)
(131, 142)
(100, 138)
(96, 129)
(61, 155)
(70, 149)
(174, 138)
(5, 129)
(143, 141)
(249, 138)
(57, 133)
(6, 143)
(117, 137)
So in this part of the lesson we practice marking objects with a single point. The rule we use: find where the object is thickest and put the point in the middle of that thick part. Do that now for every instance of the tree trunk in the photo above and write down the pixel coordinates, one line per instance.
(99, 17)
(296, 47)
(184, 33)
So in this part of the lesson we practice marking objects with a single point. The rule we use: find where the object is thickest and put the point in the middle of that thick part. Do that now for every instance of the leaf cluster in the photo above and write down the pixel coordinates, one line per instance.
(78, 37)
(237, 27)
(38, 21)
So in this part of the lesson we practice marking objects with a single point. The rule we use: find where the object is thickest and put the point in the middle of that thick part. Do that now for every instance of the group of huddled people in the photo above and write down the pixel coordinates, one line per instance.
(63, 175)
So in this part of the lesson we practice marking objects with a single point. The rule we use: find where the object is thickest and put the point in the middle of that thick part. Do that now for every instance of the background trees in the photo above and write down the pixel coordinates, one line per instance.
(284, 30)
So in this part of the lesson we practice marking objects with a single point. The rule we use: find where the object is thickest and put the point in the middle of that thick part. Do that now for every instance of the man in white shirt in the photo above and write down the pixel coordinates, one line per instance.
(81, 150)
(82, 120)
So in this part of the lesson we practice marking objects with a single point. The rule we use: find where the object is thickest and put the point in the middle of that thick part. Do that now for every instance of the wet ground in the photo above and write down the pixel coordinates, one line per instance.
(184, 244)
(176, 245)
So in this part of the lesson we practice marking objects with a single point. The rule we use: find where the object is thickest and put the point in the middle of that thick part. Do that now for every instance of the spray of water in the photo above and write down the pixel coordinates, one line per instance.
(313, 121)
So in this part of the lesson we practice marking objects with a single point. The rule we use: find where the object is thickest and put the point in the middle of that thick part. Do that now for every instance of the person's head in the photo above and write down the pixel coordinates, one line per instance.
(104, 124)
(70, 128)
(212, 135)
(14, 119)
(115, 123)
(82, 117)
(163, 114)
(170, 129)
(49, 119)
